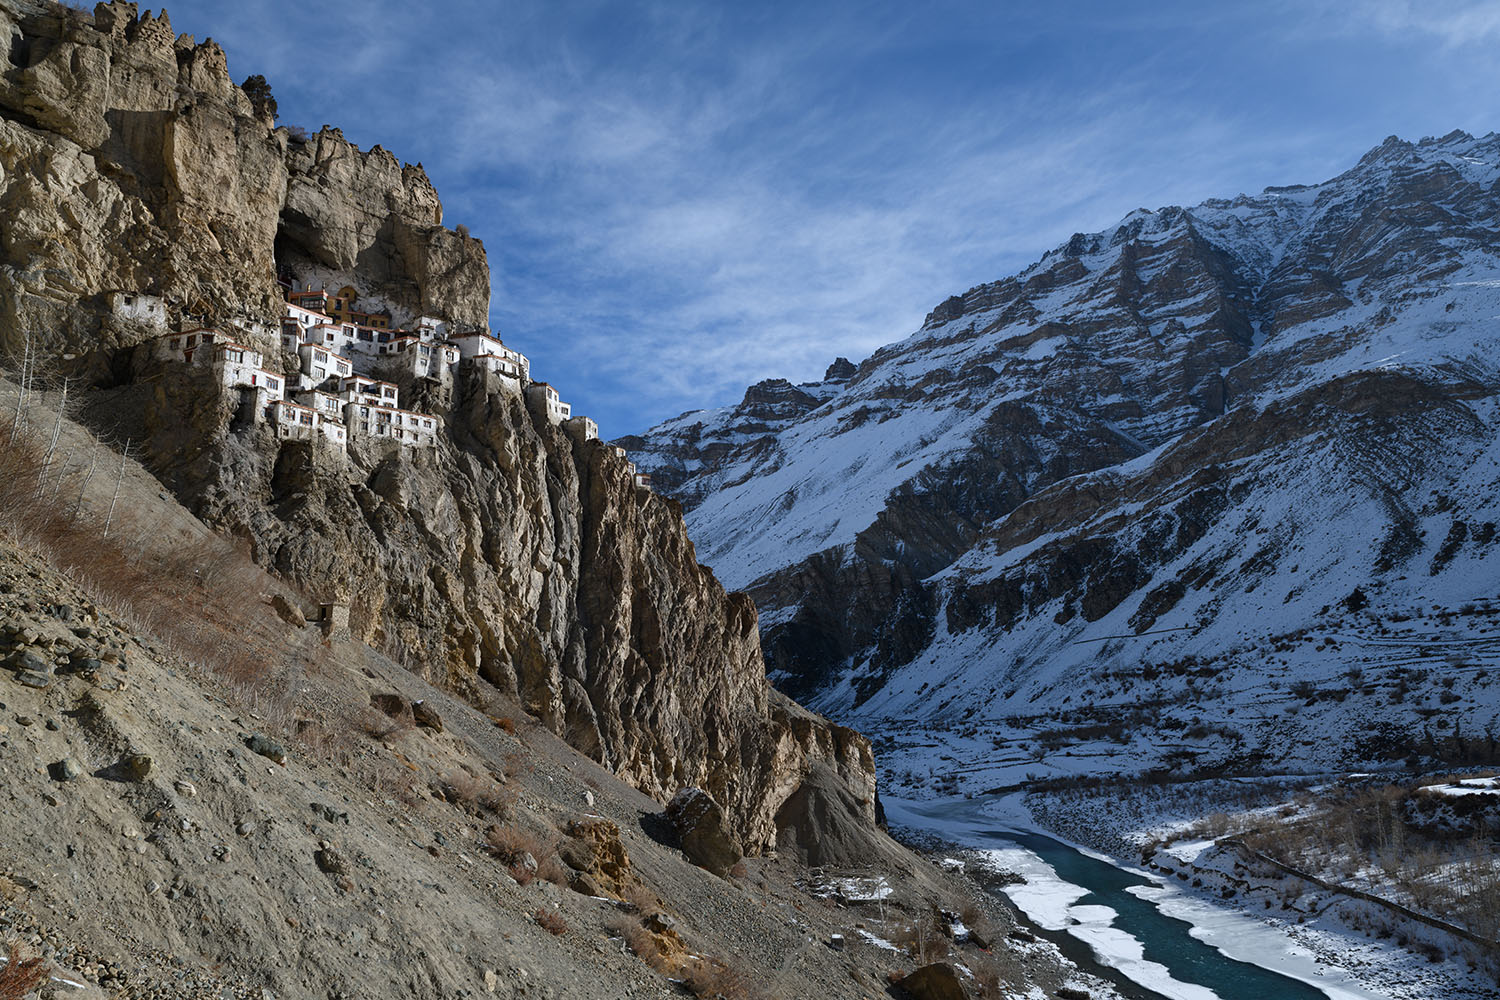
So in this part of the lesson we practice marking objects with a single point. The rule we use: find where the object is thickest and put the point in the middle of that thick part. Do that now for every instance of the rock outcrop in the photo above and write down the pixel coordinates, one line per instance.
(365, 219)
(141, 190)
(131, 163)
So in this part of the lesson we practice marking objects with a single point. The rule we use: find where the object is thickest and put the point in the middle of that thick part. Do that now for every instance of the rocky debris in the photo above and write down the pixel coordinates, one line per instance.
(267, 748)
(176, 905)
(66, 769)
(135, 767)
(330, 814)
(33, 679)
(824, 824)
(700, 825)
(1071, 993)
(426, 716)
(938, 981)
(330, 861)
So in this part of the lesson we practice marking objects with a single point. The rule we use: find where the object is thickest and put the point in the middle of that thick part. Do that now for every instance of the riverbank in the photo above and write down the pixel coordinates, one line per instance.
(1163, 934)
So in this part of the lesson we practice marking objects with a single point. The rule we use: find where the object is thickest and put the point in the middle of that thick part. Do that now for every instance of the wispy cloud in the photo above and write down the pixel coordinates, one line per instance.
(1452, 22)
(681, 199)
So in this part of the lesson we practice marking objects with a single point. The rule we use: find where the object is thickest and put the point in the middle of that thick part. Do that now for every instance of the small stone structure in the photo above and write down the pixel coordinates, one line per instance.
(333, 618)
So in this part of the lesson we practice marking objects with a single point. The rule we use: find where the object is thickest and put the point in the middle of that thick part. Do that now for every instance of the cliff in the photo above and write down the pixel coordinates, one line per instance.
(509, 558)
(130, 161)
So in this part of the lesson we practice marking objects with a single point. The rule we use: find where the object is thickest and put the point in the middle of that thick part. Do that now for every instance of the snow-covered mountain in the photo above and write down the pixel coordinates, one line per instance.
(1242, 454)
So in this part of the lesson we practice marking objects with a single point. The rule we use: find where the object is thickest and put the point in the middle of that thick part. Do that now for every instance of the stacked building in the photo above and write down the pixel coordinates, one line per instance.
(334, 396)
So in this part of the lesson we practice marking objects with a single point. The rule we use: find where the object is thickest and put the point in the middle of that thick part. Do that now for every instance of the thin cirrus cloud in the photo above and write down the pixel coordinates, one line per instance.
(681, 199)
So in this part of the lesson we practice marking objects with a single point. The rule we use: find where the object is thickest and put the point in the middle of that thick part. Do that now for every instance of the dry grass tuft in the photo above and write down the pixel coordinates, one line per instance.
(22, 975)
(640, 898)
(551, 921)
(714, 980)
(481, 794)
(511, 844)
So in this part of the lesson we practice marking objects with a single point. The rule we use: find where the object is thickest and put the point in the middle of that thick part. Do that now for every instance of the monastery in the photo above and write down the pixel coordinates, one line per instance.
(334, 395)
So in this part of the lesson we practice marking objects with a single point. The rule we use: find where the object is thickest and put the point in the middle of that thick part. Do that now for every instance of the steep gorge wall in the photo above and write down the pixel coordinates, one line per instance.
(510, 556)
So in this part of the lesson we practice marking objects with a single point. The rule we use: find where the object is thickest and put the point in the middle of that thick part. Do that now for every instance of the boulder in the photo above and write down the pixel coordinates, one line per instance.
(700, 824)
(426, 716)
(938, 981)
(65, 770)
(593, 848)
(135, 767)
(287, 611)
(330, 861)
(267, 748)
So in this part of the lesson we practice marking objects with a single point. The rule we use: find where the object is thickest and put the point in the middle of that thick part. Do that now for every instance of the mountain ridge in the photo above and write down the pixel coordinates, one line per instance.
(1240, 334)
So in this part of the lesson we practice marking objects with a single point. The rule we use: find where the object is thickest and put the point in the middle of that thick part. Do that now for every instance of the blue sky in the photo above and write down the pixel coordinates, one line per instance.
(679, 199)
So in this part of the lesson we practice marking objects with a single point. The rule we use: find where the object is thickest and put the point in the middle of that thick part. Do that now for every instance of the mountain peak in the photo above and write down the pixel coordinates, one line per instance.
(842, 370)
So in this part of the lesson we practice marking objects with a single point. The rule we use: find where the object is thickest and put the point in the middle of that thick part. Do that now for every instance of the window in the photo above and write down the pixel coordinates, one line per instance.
(272, 383)
(176, 343)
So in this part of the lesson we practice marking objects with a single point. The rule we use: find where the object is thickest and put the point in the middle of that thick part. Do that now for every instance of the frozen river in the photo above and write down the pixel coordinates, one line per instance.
(1164, 942)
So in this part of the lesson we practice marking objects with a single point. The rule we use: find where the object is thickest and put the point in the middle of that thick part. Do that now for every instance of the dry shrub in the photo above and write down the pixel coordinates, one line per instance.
(551, 921)
(506, 724)
(377, 725)
(515, 765)
(511, 843)
(922, 939)
(641, 942)
(22, 975)
(480, 793)
(998, 974)
(738, 870)
(640, 898)
(714, 980)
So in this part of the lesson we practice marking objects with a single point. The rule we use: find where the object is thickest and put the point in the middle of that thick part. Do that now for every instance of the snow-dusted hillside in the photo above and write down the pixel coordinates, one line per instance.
(1147, 474)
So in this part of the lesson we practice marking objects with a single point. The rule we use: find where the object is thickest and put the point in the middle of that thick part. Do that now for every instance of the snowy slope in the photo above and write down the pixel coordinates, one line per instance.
(1216, 421)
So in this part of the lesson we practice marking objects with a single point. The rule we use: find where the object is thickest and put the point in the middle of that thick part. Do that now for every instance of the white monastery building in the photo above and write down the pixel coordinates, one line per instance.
(338, 346)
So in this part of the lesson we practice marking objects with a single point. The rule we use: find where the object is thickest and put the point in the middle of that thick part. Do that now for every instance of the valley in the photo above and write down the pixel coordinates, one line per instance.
(1200, 508)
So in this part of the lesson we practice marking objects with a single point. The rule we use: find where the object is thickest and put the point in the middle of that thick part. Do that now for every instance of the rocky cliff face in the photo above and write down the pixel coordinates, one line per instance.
(1216, 421)
(130, 161)
(510, 556)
